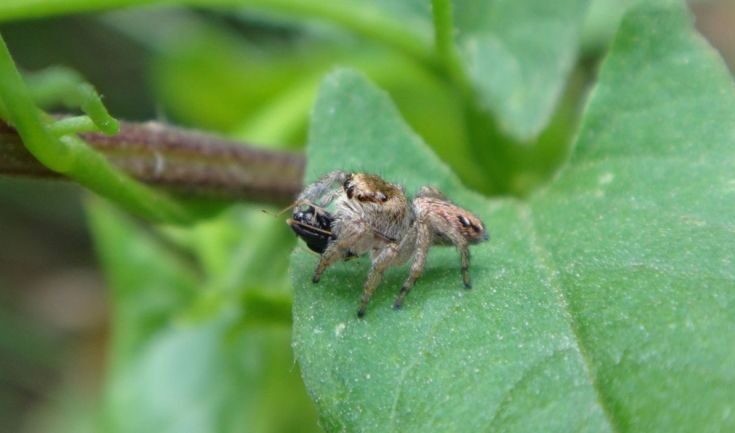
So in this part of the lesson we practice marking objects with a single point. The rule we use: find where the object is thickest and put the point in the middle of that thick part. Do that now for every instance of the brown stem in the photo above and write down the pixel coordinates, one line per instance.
(182, 161)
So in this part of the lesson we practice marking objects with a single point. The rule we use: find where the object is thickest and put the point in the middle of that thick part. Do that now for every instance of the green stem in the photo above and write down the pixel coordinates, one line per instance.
(71, 156)
(58, 84)
(25, 116)
(23, 9)
(72, 125)
(444, 43)
(443, 28)
(361, 18)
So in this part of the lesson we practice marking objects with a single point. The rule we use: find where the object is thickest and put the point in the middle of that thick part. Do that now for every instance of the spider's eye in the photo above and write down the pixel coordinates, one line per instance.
(464, 221)
(348, 186)
(382, 197)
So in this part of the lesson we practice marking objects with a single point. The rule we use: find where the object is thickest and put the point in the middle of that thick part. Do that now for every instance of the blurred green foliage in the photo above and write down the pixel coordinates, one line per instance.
(200, 327)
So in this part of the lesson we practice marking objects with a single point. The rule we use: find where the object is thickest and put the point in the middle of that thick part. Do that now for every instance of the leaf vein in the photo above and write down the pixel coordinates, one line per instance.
(526, 375)
(546, 264)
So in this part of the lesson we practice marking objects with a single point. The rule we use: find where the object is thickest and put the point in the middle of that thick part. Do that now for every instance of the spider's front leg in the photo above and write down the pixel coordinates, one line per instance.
(423, 242)
(350, 235)
(380, 263)
(334, 253)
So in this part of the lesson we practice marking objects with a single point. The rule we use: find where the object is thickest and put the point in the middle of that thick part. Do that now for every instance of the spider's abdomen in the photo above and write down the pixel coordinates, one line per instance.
(450, 222)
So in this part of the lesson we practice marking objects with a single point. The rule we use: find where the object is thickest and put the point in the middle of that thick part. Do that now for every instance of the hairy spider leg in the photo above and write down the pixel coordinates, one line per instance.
(339, 249)
(423, 243)
(464, 253)
(380, 263)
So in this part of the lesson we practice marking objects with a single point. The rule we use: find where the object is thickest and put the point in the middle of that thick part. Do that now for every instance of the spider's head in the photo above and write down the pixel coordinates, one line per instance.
(371, 189)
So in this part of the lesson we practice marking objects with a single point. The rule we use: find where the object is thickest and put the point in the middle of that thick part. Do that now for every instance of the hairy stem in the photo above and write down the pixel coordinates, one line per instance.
(189, 163)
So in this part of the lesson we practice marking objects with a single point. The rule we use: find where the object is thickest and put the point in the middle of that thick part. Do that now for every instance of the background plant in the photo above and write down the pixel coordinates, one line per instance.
(604, 301)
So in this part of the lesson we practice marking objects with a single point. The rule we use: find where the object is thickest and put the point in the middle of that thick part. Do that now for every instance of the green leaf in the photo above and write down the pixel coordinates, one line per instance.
(518, 55)
(188, 359)
(603, 303)
(603, 19)
(149, 284)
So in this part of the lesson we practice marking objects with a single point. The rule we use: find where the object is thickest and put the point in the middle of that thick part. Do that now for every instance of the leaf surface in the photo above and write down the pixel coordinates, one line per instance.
(518, 55)
(603, 303)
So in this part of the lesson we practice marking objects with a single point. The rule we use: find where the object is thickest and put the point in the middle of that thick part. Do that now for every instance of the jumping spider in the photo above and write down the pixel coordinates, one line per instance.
(373, 216)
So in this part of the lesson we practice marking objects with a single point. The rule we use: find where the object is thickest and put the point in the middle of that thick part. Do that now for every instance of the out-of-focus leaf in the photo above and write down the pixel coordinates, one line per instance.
(604, 303)
(518, 55)
(19, 9)
(403, 25)
(216, 83)
(211, 80)
(187, 354)
(149, 284)
(603, 19)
